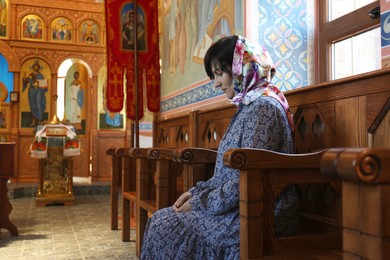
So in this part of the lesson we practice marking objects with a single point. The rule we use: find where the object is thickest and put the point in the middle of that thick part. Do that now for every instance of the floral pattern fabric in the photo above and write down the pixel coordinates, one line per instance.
(253, 70)
(210, 230)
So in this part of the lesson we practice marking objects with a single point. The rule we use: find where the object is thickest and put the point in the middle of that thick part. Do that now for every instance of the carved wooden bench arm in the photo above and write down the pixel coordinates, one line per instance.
(195, 155)
(365, 198)
(198, 165)
(141, 153)
(162, 154)
(298, 165)
(122, 152)
(111, 151)
(358, 165)
(251, 158)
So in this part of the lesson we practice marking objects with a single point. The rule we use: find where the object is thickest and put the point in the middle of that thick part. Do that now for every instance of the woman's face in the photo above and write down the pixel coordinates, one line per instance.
(223, 80)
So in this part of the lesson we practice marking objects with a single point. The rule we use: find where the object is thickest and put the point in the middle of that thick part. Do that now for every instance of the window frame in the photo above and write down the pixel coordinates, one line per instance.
(341, 28)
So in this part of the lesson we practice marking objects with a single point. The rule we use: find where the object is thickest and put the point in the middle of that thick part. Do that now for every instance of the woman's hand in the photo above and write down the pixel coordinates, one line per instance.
(182, 204)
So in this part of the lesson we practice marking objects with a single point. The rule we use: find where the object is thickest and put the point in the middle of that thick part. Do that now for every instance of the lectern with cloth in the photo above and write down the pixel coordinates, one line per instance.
(54, 146)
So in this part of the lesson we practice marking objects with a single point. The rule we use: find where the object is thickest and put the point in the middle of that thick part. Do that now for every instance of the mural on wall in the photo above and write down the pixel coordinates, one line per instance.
(6, 77)
(61, 30)
(3, 17)
(3, 110)
(286, 28)
(6, 86)
(35, 90)
(89, 32)
(3, 97)
(76, 86)
(3, 122)
(3, 92)
(127, 25)
(32, 27)
(188, 29)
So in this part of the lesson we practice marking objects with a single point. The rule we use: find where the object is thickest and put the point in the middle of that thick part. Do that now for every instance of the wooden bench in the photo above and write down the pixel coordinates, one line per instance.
(365, 174)
(168, 176)
(145, 191)
(338, 113)
(122, 178)
(197, 163)
(158, 184)
(341, 113)
(263, 175)
(281, 169)
(116, 177)
(127, 178)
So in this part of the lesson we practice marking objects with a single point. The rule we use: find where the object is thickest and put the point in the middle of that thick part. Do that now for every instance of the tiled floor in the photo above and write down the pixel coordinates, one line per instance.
(81, 231)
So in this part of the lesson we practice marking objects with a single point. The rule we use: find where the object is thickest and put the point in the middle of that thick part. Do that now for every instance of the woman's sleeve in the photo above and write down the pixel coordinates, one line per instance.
(218, 200)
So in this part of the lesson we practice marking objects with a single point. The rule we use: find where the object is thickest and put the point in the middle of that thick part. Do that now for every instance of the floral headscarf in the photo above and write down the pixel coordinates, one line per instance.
(253, 70)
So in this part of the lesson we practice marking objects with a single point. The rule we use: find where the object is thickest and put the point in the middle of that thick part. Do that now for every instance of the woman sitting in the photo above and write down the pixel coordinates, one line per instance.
(204, 222)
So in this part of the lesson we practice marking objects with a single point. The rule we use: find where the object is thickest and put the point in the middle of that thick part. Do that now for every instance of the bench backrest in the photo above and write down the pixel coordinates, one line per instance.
(350, 112)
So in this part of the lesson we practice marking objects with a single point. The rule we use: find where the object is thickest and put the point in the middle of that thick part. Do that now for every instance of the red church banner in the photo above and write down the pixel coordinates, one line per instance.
(120, 21)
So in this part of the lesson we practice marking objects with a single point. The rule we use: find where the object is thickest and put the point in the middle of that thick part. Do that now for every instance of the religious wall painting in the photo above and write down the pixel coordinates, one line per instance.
(128, 27)
(222, 28)
(3, 118)
(90, 32)
(76, 89)
(188, 28)
(179, 34)
(3, 97)
(6, 77)
(32, 27)
(61, 30)
(3, 93)
(3, 18)
(35, 93)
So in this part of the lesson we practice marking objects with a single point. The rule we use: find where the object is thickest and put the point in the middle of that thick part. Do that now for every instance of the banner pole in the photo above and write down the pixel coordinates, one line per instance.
(135, 31)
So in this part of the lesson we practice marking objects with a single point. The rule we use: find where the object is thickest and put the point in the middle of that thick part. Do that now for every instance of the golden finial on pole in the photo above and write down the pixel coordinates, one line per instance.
(55, 120)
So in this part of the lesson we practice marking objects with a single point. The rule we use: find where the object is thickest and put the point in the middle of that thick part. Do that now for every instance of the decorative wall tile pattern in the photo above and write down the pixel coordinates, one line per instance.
(194, 95)
(286, 30)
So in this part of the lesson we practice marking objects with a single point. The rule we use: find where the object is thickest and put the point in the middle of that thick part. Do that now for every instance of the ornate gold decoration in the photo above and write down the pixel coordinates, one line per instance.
(56, 179)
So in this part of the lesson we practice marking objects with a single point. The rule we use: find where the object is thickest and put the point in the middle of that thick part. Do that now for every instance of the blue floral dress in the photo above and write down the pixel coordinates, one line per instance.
(210, 230)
